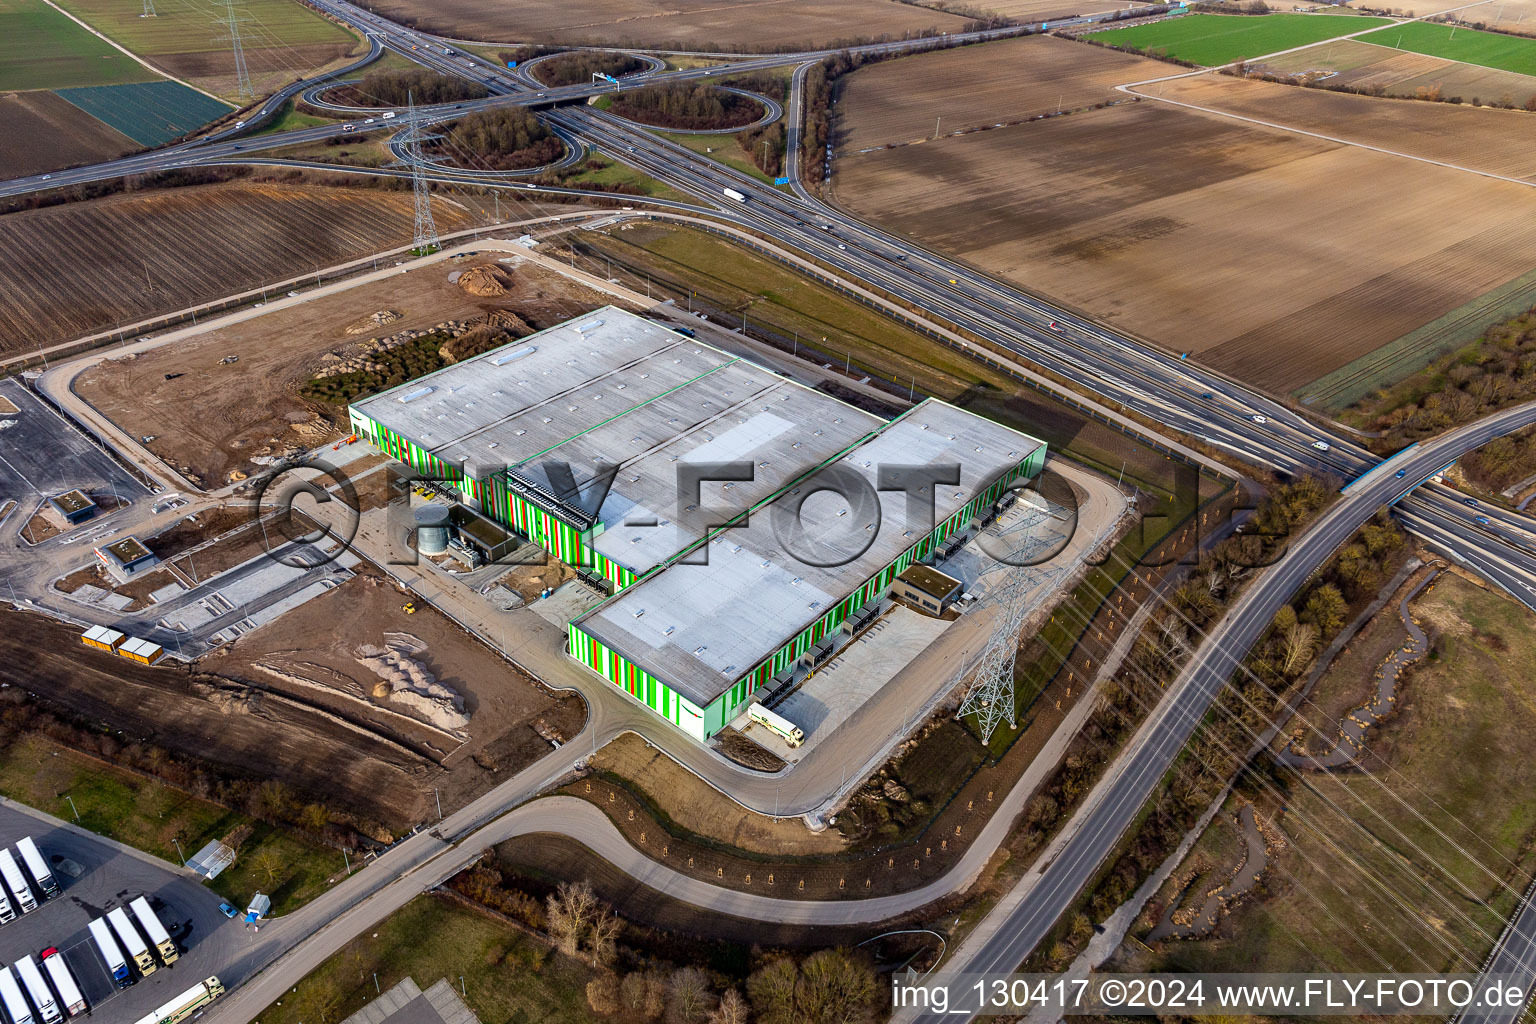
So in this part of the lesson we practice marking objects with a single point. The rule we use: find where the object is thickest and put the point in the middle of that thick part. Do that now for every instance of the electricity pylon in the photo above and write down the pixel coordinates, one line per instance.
(149, 9)
(426, 229)
(990, 697)
(232, 26)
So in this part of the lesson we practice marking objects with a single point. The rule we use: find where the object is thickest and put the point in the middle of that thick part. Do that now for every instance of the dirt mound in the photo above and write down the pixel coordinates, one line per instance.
(372, 320)
(485, 281)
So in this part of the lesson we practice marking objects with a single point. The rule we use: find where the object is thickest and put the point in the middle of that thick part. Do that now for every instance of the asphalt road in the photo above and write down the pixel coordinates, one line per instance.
(95, 876)
(1115, 801)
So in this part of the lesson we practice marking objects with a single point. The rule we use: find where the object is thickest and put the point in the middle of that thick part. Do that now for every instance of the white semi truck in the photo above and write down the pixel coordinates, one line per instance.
(16, 883)
(63, 982)
(47, 887)
(158, 936)
(16, 1008)
(186, 1004)
(777, 724)
(42, 998)
(732, 194)
(106, 945)
(133, 942)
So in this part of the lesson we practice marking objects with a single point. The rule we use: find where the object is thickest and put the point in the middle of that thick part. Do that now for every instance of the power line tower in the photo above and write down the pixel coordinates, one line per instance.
(990, 697)
(149, 9)
(426, 230)
(232, 22)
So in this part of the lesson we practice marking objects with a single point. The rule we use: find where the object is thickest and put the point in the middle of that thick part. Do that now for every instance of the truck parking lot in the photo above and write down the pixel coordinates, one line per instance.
(95, 876)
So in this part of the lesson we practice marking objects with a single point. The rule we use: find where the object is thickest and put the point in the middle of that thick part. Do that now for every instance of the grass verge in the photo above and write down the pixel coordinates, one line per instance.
(151, 816)
(506, 977)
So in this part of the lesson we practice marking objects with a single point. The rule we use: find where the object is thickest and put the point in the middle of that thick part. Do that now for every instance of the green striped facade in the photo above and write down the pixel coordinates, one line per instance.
(703, 723)
(492, 497)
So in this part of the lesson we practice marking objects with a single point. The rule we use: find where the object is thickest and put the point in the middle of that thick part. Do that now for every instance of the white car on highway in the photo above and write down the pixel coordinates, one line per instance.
(1321, 446)
(1260, 420)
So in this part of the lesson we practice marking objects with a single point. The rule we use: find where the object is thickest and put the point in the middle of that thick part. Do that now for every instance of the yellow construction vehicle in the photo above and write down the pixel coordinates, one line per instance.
(409, 607)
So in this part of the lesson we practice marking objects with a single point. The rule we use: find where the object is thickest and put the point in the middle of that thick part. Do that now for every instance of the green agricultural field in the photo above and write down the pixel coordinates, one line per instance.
(1212, 40)
(42, 49)
(149, 113)
(1485, 49)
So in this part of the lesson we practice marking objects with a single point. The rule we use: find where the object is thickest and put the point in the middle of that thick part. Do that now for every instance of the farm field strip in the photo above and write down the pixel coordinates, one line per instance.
(1485, 49)
(41, 48)
(1359, 64)
(71, 263)
(149, 113)
(715, 25)
(1479, 142)
(979, 86)
(1213, 40)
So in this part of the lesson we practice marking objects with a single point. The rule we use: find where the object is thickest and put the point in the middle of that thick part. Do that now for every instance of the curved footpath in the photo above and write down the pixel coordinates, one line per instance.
(1350, 745)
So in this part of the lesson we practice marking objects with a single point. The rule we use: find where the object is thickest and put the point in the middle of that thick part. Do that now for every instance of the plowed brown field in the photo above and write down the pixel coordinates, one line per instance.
(717, 25)
(1496, 141)
(71, 135)
(1272, 255)
(977, 86)
(74, 269)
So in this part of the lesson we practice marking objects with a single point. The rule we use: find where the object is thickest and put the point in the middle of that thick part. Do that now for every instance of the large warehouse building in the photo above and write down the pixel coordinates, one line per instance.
(707, 614)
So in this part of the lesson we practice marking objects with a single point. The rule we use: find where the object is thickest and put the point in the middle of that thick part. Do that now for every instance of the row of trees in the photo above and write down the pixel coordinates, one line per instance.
(765, 144)
(270, 800)
(687, 105)
(1496, 371)
(831, 986)
(396, 88)
(578, 67)
(509, 139)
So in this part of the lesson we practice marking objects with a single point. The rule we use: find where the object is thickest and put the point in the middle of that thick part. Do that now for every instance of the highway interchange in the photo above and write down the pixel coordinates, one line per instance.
(1157, 386)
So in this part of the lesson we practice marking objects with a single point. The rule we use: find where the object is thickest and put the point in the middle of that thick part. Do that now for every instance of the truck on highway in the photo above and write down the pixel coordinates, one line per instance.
(16, 1008)
(158, 936)
(106, 945)
(731, 193)
(37, 988)
(16, 883)
(63, 982)
(777, 724)
(47, 887)
(133, 942)
(186, 1004)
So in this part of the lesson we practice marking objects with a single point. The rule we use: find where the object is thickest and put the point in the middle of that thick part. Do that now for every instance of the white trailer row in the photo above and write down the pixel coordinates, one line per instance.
(23, 891)
(28, 998)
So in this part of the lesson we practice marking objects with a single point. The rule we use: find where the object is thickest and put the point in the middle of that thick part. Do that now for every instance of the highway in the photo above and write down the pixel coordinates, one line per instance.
(1153, 384)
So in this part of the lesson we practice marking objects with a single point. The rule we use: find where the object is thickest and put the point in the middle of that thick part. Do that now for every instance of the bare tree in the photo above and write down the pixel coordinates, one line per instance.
(570, 911)
(732, 1009)
(688, 996)
(1300, 642)
(835, 987)
(772, 991)
(643, 993)
(603, 937)
(603, 994)
(268, 861)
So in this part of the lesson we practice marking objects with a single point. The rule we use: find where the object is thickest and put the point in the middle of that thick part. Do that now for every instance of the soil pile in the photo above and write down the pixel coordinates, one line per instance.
(485, 281)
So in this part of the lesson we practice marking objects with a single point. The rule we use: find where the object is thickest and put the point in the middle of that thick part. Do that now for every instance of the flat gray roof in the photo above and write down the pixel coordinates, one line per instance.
(702, 627)
(612, 387)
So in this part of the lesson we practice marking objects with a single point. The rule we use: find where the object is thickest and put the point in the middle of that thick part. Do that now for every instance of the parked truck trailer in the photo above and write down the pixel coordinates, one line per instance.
(158, 936)
(16, 883)
(133, 942)
(7, 912)
(32, 979)
(47, 887)
(63, 982)
(777, 724)
(106, 945)
(186, 1004)
(16, 1008)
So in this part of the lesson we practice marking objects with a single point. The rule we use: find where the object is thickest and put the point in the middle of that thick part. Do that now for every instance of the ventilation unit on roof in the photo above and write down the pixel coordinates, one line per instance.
(590, 325)
(519, 432)
(638, 612)
(796, 581)
(701, 649)
(507, 357)
(621, 387)
(412, 395)
(493, 444)
(668, 631)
